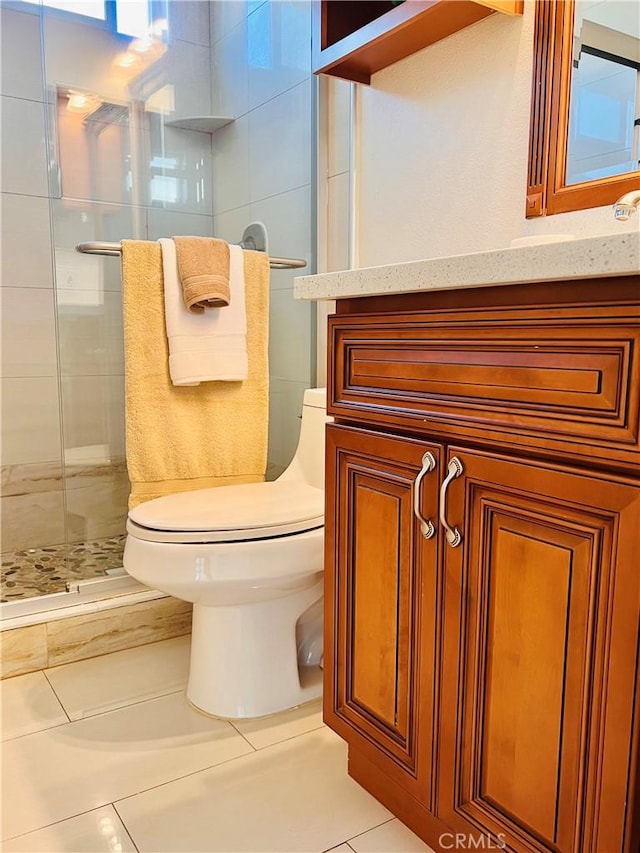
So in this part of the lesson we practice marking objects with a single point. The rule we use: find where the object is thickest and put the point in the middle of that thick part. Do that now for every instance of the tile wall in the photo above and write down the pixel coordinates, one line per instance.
(67, 177)
(32, 467)
(263, 170)
(334, 195)
(138, 178)
(119, 172)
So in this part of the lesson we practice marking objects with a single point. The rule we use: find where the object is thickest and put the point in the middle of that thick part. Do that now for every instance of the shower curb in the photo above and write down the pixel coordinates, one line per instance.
(110, 626)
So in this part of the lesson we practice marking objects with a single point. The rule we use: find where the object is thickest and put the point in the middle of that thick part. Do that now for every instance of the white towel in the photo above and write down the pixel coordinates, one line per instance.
(209, 346)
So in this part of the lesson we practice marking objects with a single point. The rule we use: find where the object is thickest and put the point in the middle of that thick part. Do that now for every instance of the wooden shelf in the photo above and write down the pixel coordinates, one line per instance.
(353, 39)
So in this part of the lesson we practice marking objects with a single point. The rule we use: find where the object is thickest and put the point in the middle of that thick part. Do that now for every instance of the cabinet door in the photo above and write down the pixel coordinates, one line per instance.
(381, 618)
(542, 600)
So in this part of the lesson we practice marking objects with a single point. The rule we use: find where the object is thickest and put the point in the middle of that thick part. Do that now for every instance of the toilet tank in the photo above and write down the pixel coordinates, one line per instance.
(308, 462)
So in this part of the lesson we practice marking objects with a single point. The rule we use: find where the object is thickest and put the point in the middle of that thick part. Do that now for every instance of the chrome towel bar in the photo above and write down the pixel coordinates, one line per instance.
(115, 249)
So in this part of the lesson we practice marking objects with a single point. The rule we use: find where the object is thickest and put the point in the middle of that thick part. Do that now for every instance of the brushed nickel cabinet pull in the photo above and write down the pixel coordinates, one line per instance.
(454, 469)
(427, 526)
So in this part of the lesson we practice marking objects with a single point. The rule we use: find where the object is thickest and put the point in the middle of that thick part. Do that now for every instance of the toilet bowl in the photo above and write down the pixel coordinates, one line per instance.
(250, 558)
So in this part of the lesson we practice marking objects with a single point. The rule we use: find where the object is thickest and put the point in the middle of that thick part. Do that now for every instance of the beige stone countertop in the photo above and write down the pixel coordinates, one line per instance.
(592, 257)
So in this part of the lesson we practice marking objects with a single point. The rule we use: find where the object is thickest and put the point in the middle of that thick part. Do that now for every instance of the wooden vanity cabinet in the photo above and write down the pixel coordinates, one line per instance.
(539, 654)
(382, 622)
(489, 688)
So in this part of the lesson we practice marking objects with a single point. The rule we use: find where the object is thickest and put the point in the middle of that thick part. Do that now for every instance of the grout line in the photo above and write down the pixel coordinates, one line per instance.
(35, 288)
(70, 375)
(371, 828)
(264, 198)
(93, 716)
(342, 844)
(37, 731)
(24, 195)
(64, 819)
(206, 769)
(44, 672)
(114, 803)
(130, 796)
(126, 828)
(184, 776)
(106, 203)
(254, 748)
(338, 174)
(276, 195)
(22, 98)
(308, 79)
(111, 710)
(285, 739)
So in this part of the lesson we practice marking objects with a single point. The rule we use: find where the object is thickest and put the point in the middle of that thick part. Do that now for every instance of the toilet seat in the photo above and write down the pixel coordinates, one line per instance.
(230, 513)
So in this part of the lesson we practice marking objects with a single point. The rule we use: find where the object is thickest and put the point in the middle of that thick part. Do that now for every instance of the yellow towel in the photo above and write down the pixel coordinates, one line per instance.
(183, 437)
(203, 267)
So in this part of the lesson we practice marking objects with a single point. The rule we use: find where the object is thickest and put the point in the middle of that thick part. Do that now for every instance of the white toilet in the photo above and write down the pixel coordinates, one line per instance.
(250, 558)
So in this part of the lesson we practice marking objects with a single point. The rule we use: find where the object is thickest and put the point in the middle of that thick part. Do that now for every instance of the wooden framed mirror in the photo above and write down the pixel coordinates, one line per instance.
(585, 106)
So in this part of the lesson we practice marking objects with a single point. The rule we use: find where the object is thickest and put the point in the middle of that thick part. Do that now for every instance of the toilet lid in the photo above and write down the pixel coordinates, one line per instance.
(227, 513)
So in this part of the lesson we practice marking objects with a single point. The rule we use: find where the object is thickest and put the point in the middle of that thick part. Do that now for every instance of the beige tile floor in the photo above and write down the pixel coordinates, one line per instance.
(106, 755)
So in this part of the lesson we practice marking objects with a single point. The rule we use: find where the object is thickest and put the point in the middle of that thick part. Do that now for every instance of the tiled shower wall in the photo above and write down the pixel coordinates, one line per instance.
(63, 474)
(33, 503)
(263, 169)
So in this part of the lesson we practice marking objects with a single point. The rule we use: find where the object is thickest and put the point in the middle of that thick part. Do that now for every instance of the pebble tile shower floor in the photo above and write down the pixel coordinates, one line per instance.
(40, 571)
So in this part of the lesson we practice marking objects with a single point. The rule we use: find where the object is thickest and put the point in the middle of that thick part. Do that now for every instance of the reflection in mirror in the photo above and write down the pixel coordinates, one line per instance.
(604, 96)
(585, 105)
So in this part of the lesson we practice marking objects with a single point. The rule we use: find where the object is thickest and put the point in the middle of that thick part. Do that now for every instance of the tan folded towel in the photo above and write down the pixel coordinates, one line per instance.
(203, 266)
(190, 437)
(212, 345)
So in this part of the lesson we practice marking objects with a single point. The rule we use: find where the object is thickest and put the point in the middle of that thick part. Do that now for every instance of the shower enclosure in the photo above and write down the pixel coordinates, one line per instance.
(139, 120)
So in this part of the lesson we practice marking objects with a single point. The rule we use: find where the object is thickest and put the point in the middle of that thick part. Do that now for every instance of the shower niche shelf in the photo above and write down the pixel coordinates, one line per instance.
(203, 124)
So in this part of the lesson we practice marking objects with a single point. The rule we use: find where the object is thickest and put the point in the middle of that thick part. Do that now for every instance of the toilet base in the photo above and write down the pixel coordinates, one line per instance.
(244, 660)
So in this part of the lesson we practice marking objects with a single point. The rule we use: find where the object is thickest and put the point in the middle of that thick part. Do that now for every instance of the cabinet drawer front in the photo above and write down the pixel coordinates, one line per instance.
(565, 381)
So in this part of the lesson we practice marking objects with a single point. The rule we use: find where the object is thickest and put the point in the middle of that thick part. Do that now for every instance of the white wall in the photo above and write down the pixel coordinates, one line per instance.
(442, 159)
